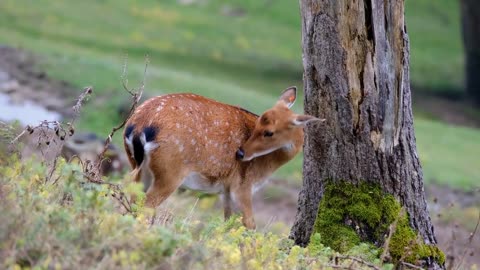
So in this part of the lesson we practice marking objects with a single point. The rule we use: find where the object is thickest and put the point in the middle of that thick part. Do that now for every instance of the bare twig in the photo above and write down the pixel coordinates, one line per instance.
(189, 214)
(469, 244)
(136, 96)
(411, 265)
(92, 169)
(61, 130)
(359, 260)
(337, 266)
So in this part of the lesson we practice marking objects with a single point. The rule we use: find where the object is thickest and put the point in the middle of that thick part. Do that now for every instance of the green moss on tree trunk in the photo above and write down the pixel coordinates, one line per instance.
(349, 215)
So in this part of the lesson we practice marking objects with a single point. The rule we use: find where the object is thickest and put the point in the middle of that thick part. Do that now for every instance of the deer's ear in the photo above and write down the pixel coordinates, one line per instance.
(289, 96)
(302, 120)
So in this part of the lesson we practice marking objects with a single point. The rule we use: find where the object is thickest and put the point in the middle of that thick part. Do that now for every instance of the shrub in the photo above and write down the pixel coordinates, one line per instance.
(75, 224)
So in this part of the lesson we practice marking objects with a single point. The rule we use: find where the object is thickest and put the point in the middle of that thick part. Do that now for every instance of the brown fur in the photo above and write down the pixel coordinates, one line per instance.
(196, 134)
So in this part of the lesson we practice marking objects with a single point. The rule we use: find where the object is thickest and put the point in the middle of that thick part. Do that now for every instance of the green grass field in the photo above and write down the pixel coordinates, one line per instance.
(244, 60)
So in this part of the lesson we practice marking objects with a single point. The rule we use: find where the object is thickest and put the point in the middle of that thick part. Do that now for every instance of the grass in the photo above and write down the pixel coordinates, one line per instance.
(435, 45)
(245, 60)
(449, 154)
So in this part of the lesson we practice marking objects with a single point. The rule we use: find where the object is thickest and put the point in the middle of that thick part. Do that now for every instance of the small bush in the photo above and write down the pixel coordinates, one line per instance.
(74, 224)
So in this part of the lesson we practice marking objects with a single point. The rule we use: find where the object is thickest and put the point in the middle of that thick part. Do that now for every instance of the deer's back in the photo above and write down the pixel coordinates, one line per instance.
(199, 133)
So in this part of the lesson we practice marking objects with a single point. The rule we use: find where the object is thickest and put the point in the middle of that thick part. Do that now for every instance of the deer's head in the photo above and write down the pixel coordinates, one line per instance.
(276, 128)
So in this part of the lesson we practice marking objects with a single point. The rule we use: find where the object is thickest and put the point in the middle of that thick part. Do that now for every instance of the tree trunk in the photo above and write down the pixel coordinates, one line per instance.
(471, 40)
(356, 75)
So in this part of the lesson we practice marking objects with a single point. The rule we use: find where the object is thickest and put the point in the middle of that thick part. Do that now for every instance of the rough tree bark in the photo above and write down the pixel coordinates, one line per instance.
(471, 40)
(356, 75)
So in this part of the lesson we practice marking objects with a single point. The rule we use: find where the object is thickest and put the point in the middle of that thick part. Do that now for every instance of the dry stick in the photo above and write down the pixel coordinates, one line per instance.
(58, 128)
(470, 240)
(337, 266)
(87, 91)
(412, 265)
(189, 214)
(92, 171)
(136, 98)
(359, 261)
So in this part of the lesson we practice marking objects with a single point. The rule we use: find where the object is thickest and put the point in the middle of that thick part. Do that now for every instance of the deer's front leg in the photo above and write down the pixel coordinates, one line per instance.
(243, 196)
(227, 203)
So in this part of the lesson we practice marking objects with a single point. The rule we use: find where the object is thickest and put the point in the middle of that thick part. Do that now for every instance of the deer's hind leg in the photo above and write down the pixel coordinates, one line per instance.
(164, 183)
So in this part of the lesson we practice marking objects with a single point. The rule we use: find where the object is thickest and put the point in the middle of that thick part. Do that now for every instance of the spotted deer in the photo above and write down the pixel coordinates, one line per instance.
(189, 141)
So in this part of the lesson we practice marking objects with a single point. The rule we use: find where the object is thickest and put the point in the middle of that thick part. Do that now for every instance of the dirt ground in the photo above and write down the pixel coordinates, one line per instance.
(21, 79)
(454, 213)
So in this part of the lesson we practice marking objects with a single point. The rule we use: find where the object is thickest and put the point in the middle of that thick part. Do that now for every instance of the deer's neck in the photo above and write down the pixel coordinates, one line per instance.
(262, 167)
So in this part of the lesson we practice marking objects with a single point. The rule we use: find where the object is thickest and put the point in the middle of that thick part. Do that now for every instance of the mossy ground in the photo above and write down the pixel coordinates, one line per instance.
(350, 215)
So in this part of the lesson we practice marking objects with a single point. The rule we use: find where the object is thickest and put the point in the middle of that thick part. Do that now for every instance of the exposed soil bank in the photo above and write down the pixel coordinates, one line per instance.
(27, 93)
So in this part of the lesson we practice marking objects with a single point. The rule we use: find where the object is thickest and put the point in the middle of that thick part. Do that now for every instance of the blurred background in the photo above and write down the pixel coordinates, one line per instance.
(242, 52)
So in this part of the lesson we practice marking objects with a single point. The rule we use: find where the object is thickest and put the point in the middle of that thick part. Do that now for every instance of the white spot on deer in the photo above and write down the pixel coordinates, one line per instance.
(173, 108)
(159, 108)
(177, 142)
(177, 125)
(180, 147)
(190, 130)
(150, 122)
(193, 142)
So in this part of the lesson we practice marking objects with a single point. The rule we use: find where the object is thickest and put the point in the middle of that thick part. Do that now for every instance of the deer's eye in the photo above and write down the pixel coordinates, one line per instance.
(267, 133)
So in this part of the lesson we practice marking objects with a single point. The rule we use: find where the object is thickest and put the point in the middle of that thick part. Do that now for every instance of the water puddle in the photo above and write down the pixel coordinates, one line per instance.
(27, 112)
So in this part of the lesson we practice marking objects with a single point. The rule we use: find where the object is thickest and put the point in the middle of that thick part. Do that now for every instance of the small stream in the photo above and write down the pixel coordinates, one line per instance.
(27, 112)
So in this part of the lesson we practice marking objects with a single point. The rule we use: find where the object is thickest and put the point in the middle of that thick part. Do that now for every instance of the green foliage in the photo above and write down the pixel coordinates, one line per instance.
(73, 224)
(351, 217)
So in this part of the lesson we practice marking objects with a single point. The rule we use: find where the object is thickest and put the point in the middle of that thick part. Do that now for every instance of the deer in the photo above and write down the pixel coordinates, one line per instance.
(190, 141)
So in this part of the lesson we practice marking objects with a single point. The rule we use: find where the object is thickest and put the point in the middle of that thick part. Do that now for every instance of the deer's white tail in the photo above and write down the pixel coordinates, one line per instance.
(139, 147)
